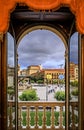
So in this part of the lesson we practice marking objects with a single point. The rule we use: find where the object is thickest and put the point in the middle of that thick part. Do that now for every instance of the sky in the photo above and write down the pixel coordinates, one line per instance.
(41, 47)
(74, 48)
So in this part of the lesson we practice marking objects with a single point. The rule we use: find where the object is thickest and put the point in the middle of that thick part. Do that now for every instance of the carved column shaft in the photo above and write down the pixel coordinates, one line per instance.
(3, 82)
(82, 83)
(0, 77)
(44, 117)
(52, 117)
(61, 117)
(19, 117)
(36, 116)
(73, 118)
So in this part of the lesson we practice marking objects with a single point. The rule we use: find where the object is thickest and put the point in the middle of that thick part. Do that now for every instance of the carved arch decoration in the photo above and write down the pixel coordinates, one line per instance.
(76, 6)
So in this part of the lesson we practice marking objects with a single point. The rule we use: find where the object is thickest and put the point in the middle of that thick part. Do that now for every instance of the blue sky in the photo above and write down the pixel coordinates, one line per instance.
(41, 47)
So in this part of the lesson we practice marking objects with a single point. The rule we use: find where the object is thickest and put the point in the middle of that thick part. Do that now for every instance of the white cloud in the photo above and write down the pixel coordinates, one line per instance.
(10, 49)
(41, 47)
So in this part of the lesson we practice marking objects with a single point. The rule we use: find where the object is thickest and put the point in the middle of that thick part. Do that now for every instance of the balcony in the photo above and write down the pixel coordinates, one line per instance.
(42, 115)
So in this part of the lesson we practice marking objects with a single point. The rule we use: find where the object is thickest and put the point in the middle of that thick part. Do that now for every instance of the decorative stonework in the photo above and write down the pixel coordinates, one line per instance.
(76, 6)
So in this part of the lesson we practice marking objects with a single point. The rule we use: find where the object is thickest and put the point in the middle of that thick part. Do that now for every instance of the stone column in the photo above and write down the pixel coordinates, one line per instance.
(82, 84)
(3, 82)
(1, 39)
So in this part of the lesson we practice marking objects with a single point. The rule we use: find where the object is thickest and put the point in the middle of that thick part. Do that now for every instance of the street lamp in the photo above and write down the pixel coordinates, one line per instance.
(48, 77)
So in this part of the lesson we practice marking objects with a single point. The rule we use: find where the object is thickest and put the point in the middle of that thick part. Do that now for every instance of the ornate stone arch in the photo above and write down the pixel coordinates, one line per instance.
(55, 29)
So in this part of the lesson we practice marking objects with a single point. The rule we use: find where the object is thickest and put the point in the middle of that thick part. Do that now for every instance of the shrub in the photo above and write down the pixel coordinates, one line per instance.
(29, 95)
(74, 92)
(60, 95)
(74, 83)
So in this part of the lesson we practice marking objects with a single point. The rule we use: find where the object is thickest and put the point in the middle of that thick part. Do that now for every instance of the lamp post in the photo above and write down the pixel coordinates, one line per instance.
(48, 77)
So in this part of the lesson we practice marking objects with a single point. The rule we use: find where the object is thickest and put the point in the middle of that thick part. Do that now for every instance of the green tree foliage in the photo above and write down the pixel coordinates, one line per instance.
(60, 95)
(40, 81)
(37, 79)
(55, 81)
(61, 82)
(29, 95)
(74, 83)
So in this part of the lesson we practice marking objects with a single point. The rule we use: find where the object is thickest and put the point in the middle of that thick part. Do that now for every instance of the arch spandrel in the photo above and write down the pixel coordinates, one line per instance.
(76, 6)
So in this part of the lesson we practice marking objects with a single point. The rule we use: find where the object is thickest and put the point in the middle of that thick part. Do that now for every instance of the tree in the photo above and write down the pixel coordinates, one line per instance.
(37, 79)
(40, 81)
(29, 95)
(55, 81)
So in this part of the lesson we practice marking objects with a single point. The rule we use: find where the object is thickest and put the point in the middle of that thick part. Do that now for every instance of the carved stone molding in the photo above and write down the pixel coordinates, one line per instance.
(76, 6)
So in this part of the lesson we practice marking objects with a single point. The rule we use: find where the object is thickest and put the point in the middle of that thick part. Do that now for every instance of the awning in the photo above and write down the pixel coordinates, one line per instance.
(76, 6)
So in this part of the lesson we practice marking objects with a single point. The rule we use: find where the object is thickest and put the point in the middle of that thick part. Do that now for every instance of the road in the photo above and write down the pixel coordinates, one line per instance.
(46, 93)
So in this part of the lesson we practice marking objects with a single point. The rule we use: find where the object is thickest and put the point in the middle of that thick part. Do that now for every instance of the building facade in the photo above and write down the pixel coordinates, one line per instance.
(73, 71)
(52, 73)
(38, 71)
(33, 69)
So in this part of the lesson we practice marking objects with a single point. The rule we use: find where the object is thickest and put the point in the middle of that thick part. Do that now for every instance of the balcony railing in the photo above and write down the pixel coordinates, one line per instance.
(42, 115)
